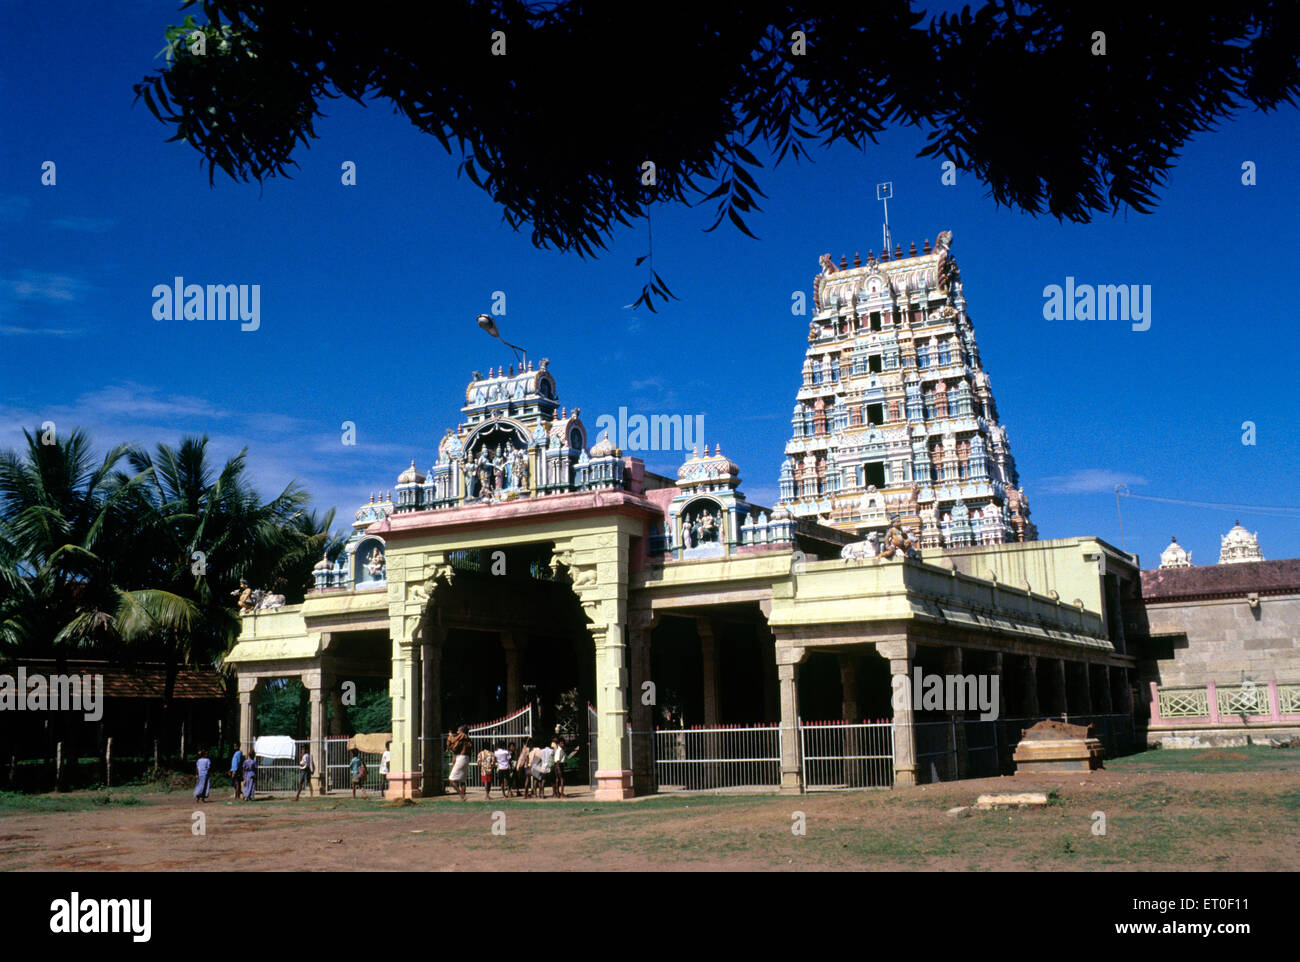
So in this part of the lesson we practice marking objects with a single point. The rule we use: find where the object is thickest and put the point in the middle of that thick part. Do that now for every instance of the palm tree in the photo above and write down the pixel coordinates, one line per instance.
(62, 515)
(303, 542)
(141, 563)
(65, 546)
(202, 531)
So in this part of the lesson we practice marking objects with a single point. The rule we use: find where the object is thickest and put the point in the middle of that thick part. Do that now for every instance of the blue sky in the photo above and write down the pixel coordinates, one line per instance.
(369, 293)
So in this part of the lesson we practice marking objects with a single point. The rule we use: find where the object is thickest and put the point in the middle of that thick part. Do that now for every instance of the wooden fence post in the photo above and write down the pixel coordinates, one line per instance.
(108, 762)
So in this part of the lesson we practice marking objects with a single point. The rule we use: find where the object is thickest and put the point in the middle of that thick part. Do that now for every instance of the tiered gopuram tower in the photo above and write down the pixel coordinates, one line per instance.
(895, 415)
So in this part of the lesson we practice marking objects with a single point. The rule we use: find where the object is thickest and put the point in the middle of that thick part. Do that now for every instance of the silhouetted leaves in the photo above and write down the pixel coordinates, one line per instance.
(1010, 93)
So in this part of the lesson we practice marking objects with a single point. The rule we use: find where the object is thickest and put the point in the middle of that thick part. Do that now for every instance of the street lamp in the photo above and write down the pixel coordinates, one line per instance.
(489, 325)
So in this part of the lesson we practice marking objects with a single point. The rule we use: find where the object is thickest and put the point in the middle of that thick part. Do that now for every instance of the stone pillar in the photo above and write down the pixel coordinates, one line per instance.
(708, 670)
(999, 672)
(957, 719)
(598, 564)
(316, 713)
(1101, 698)
(1061, 699)
(1125, 704)
(404, 778)
(1084, 707)
(514, 690)
(338, 711)
(414, 577)
(1001, 733)
(1031, 708)
(848, 689)
(642, 708)
(787, 673)
(429, 756)
(613, 781)
(247, 712)
(904, 722)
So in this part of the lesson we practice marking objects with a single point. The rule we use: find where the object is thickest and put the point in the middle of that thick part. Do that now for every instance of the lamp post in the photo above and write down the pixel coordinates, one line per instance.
(1118, 489)
(489, 325)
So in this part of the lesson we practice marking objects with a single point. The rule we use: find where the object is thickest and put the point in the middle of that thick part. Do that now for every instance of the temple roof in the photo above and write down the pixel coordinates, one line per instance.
(1239, 545)
(1175, 556)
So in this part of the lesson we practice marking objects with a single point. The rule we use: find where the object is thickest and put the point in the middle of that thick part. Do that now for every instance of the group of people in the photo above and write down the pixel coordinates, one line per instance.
(519, 772)
(243, 775)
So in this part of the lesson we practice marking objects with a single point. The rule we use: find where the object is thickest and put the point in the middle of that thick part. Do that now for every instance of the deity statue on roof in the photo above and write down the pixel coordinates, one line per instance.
(897, 540)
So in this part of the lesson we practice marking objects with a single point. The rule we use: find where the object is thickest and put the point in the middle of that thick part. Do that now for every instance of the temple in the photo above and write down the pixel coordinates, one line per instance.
(895, 414)
(535, 580)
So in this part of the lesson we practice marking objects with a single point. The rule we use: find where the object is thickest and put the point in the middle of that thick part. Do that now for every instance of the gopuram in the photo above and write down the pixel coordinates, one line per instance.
(532, 564)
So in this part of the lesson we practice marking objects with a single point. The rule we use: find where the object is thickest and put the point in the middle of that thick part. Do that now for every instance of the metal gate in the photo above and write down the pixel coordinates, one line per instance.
(838, 754)
(718, 756)
(338, 767)
(514, 727)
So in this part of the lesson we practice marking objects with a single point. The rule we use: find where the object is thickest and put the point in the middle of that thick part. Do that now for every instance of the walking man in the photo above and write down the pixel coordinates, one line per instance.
(237, 770)
(459, 745)
(305, 770)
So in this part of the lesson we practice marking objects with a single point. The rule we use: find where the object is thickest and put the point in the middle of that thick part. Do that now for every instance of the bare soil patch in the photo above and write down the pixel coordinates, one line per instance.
(1187, 816)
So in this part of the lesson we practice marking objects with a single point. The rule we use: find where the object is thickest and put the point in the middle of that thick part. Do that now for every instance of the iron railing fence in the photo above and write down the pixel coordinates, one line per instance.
(839, 754)
(723, 756)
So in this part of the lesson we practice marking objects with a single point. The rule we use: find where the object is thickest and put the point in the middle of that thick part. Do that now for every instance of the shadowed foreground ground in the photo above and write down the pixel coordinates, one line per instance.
(1236, 809)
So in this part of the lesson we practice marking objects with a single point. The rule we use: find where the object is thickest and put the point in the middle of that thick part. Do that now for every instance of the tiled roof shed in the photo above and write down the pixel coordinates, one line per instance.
(136, 681)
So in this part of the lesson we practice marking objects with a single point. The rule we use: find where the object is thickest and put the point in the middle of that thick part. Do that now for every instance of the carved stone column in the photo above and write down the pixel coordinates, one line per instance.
(247, 712)
(312, 680)
(788, 659)
(613, 781)
(413, 579)
(598, 568)
(900, 654)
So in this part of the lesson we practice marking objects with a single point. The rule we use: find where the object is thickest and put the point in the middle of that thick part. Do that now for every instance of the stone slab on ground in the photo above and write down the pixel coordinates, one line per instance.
(1010, 800)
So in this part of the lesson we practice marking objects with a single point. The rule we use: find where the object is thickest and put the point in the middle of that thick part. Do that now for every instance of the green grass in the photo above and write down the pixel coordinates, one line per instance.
(1248, 758)
(18, 803)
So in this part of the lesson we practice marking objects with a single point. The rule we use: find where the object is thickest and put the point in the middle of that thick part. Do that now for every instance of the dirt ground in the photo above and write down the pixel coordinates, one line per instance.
(1209, 810)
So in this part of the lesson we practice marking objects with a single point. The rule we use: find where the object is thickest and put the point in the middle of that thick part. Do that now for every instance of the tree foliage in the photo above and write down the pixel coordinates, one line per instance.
(134, 556)
(557, 128)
